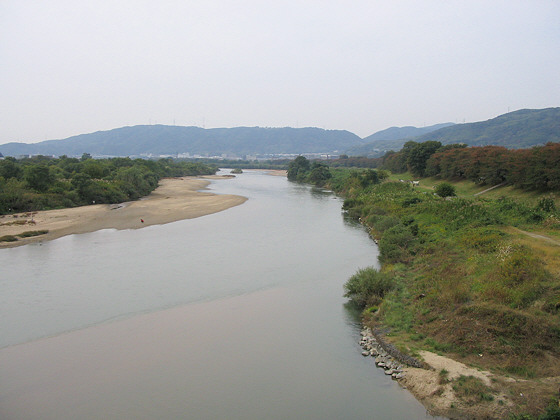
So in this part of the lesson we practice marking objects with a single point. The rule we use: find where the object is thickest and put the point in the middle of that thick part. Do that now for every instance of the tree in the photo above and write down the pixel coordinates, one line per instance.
(419, 155)
(395, 244)
(94, 169)
(445, 190)
(38, 177)
(319, 174)
(298, 168)
(369, 177)
(81, 182)
(10, 169)
(395, 161)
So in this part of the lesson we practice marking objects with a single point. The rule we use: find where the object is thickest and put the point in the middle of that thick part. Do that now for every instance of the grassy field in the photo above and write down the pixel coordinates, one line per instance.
(468, 189)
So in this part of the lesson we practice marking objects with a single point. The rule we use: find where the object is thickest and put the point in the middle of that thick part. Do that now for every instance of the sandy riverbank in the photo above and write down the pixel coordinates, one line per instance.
(174, 199)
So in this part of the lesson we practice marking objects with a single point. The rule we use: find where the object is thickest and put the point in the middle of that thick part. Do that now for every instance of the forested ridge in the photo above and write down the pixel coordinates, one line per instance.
(518, 129)
(42, 183)
(173, 140)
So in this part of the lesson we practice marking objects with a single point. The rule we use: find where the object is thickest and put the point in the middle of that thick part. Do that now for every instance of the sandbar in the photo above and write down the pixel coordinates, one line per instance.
(173, 200)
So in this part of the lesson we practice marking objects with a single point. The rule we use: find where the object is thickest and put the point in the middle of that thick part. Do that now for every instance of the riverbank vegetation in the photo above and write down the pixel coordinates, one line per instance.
(43, 183)
(467, 280)
(474, 277)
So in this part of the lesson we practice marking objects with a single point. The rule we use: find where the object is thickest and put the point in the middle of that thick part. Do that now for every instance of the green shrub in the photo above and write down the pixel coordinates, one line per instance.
(395, 244)
(368, 286)
(407, 202)
(445, 190)
(8, 238)
(546, 204)
(383, 223)
(552, 413)
(30, 233)
(472, 389)
(443, 377)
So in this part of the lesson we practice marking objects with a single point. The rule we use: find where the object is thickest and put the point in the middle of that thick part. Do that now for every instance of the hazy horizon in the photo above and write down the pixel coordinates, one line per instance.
(73, 68)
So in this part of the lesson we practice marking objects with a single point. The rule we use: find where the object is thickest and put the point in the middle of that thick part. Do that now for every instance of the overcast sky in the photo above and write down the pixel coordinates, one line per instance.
(77, 66)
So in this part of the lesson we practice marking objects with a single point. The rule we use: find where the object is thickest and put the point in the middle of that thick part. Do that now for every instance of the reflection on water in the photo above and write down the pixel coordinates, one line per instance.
(259, 327)
(352, 314)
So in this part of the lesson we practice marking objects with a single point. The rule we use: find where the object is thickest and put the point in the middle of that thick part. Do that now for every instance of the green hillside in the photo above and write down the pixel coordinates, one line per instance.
(515, 130)
(391, 138)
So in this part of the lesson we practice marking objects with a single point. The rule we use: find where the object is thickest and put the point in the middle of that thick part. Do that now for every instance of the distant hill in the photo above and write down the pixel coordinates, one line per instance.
(515, 130)
(397, 133)
(156, 140)
(390, 139)
(519, 129)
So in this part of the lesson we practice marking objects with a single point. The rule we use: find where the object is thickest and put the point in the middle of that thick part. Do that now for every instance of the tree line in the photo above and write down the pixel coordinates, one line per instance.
(42, 183)
(537, 168)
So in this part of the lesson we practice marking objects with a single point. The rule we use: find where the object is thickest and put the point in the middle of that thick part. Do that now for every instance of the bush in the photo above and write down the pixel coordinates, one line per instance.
(8, 238)
(319, 174)
(368, 286)
(383, 223)
(472, 389)
(546, 204)
(30, 233)
(445, 190)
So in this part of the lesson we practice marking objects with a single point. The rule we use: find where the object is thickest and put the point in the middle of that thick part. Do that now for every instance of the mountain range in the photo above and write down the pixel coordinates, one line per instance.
(145, 140)
(518, 129)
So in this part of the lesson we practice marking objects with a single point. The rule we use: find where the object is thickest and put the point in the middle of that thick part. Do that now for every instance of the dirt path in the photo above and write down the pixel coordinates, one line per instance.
(537, 236)
(490, 189)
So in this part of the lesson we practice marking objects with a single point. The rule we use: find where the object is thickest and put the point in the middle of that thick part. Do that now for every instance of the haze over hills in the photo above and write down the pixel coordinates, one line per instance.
(518, 129)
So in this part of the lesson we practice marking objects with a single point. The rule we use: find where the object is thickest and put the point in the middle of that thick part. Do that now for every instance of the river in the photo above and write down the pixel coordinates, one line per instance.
(236, 315)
